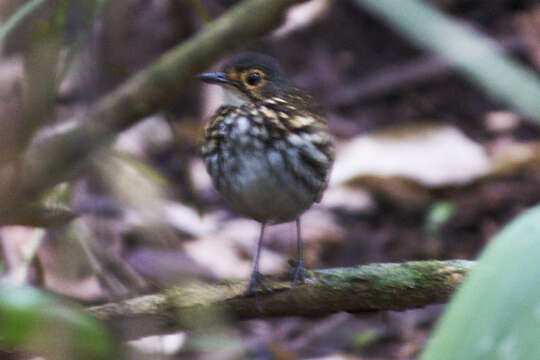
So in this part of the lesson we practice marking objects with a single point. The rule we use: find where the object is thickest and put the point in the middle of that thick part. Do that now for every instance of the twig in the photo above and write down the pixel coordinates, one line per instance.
(84, 237)
(369, 288)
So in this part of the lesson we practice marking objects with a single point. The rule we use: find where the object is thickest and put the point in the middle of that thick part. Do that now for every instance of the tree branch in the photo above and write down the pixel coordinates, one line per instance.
(143, 94)
(368, 288)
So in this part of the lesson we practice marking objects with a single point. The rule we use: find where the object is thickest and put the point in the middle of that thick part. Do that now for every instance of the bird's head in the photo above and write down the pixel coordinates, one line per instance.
(249, 77)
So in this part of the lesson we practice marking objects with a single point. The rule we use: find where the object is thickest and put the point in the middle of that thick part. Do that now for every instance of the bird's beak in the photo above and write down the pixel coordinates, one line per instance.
(214, 78)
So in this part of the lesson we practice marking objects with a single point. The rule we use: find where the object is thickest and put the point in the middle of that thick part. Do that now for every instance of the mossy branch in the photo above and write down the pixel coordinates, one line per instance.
(361, 289)
(144, 93)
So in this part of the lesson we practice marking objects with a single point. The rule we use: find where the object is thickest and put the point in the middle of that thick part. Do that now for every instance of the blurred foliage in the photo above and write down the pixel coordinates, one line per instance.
(33, 321)
(438, 214)
(18, 16)
(496, 314)
(365, 338)
(92, 10)
(494, 72)
(60, 195)
(200, 10)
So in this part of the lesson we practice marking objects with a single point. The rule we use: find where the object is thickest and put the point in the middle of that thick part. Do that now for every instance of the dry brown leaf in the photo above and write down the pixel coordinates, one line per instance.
(431, 155)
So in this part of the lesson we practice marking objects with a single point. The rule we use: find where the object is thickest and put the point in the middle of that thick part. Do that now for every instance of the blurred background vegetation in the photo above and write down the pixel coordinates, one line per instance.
(434, 106)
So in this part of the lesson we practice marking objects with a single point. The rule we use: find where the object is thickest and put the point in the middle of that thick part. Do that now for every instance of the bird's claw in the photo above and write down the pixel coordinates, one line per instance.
(256, 283)
(298, 274)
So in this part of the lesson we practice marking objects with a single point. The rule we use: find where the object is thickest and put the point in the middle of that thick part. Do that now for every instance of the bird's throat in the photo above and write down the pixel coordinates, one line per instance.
(234, 97)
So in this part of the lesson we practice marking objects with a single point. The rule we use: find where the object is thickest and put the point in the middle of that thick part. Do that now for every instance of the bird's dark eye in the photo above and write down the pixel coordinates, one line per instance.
(253, 78)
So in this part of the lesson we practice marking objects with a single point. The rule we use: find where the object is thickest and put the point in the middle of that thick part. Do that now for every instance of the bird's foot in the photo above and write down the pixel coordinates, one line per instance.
(298, 273)
(256, 283)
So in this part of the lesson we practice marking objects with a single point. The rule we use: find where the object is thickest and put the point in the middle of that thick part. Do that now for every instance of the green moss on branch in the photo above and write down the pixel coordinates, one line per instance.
(368, 288)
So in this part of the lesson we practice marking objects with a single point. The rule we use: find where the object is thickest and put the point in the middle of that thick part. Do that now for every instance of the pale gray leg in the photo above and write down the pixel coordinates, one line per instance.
(255, 279)
(299, 270)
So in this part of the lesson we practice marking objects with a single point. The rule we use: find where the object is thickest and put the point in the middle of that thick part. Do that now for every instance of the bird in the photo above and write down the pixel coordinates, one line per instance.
(267, 148)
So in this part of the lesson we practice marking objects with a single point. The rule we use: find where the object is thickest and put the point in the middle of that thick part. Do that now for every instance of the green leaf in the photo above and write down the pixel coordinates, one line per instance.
(35, 321)
(496, 313)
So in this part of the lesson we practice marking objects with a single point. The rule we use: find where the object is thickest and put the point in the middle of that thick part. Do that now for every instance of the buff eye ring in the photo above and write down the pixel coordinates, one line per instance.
(253, 78)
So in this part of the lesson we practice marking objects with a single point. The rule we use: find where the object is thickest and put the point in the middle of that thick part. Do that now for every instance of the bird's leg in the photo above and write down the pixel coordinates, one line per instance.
(256, 277)
(299, 272)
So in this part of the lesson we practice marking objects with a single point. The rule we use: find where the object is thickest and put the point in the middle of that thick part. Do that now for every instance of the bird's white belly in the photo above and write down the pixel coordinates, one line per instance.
(260, 186)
